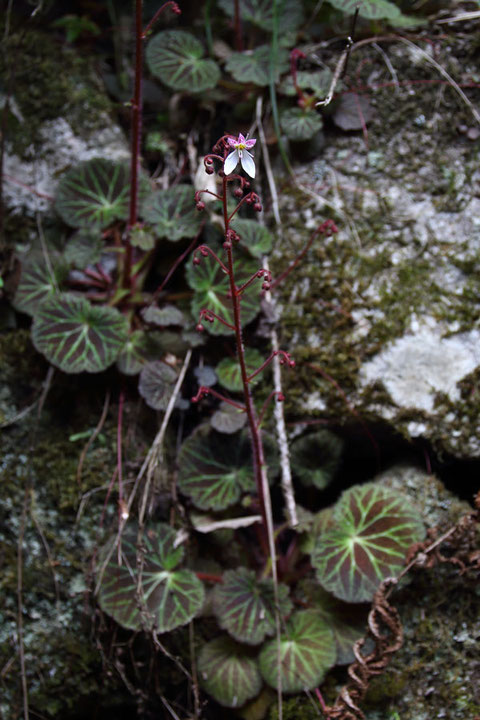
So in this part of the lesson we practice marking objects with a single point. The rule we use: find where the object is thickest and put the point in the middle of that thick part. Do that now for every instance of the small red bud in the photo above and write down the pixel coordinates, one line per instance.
(246, 184)
(208, 161)
(199, 327)
(266, 286)
(257, 207)
(196, 260)
(280, 397)
(248, 200)
(238, 192)
(227, 245)
(292, 363)
(209, 170)
(200, 205)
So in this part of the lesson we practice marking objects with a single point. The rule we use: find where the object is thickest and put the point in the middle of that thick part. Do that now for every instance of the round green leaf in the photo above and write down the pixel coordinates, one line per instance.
(317, 81)
(253, 236)
(168, 597)
(253, 66)
(372, 9)
(156, 384)
(36, 285)
(245, 606)
(307, 651)
(228, 370)
(96, 193)
(84, 248)
(348, 622)
(299, 124)
(371, 532)
(135, 353)
(172, 213)
(214, 468)
(229, 672)
(228, 419)
(212, 288)
(164, 316)
(76, 336)
(315, 458)
(176, 58)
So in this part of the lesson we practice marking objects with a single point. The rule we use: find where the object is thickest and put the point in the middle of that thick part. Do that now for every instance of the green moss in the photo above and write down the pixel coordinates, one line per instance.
(31, 62)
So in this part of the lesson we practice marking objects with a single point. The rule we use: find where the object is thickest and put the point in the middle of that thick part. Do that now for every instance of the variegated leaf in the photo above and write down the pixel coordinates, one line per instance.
(245, 606)
(214, 469)
(168, 597)
(172, 213)
(77, 336)
(367, 541)
(176, 58)
(96, 193)
(307, 651)
(229, 672)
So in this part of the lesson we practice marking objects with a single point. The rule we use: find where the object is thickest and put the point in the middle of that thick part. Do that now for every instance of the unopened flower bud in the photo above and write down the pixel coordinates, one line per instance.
(227, 245)
(266, 286)
(292, 363)
(249, 200)
(209, 170)
(257, 207)
(200, 205)
(280, 397)
(196, 260)
(199, 327)
(238, 192)
(208, 161)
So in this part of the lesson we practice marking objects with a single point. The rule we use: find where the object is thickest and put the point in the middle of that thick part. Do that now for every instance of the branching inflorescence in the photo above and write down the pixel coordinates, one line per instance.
(230, 151)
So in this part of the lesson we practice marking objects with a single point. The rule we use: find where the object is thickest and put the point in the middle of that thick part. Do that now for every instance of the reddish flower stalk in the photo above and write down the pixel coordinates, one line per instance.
(224, 145)
(203, 391)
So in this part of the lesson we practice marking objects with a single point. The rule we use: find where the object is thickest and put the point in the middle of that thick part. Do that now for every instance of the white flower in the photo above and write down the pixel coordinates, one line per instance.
(240, 154)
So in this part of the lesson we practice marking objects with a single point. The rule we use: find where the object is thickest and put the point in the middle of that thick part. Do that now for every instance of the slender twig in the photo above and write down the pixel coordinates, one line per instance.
(93, 437)
(20, 633)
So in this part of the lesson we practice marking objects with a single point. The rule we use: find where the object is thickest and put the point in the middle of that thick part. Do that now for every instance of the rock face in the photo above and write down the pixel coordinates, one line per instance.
(386, 311)
(55, 120)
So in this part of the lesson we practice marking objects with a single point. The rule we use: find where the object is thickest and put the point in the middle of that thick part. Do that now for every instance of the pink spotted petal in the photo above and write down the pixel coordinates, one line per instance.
(232, 141)
(241, 139)
(231, 162)
(250, 143)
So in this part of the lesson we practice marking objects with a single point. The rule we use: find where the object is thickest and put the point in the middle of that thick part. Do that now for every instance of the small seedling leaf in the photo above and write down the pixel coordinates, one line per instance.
(253, 66)
(261, 13)
(157, 380)
(299, 124)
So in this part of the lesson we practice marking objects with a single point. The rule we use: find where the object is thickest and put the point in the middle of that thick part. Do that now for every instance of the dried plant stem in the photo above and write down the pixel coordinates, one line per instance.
(93, 437)
(20, 637)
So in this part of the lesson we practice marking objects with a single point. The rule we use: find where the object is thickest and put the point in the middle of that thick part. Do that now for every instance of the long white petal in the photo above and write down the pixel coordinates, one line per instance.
(231, 162)
(248, 163)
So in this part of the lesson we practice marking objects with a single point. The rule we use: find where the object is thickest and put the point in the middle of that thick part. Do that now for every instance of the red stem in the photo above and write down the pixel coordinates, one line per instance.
(257, 446)
(119, 448)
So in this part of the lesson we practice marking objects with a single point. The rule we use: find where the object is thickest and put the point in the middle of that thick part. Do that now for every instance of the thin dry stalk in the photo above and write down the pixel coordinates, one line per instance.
(93, 437)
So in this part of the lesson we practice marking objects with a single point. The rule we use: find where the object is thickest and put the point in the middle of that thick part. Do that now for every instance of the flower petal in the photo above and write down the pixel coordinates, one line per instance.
(231, 162)
(241, 138)
(248, 163)
(249, 143)
(232, 141)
